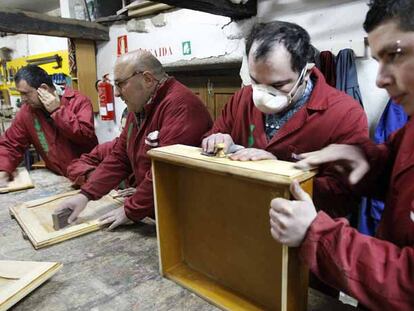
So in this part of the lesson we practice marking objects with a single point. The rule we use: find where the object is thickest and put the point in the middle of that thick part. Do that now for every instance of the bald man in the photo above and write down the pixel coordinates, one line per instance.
(162, 112)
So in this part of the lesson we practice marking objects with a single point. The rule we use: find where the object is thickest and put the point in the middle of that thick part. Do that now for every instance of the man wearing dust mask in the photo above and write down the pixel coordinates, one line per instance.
(289, 109)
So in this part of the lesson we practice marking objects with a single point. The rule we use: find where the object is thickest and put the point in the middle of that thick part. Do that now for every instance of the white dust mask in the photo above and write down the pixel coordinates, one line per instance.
(270, 100)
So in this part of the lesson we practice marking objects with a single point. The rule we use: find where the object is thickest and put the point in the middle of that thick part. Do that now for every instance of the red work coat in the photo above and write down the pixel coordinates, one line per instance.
(180, 118)
(378, 272)
(59, 137)
(329, 117)
(80, 169)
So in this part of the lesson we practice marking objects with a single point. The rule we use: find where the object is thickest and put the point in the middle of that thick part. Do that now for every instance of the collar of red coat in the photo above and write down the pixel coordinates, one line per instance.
(318, 100)
(68, 93)
(159, 95)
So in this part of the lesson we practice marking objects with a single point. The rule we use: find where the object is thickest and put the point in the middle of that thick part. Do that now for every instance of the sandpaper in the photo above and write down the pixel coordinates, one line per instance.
(60, 219)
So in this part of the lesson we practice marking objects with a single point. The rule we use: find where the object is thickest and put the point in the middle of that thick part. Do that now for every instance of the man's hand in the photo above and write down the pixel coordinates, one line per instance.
(76, 204)
(347, 158)
(209, 143)
(4, 179)
(290, 220)
(116, 218)
(51, 102)
(252, 154)
(124, 193)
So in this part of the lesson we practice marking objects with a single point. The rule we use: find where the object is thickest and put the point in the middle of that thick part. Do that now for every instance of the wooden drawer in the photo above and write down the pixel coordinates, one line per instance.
(214, 232)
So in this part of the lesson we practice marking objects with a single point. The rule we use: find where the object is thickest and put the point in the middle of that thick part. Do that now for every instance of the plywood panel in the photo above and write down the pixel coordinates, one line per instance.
(214, 233)
(35, 218)
(19, 278)
(21, 180)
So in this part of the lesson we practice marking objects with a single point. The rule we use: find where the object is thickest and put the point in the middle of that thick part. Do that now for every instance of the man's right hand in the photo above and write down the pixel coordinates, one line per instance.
(76, 204)
(347, 158)
(4, 179)
(209, 143)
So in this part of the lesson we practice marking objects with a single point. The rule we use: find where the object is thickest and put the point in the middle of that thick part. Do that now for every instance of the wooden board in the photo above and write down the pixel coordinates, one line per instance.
(274, 171)
(151, 8)
(19, 278)
(35, 218)
(86, 70)
(218, 7)
(39, 164)
(17, 21)
(21, 180)
(214, 234)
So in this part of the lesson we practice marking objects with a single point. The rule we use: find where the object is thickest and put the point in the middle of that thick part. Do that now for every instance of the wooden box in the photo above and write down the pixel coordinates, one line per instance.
(214, 231)
(35, 218)
(19, 278)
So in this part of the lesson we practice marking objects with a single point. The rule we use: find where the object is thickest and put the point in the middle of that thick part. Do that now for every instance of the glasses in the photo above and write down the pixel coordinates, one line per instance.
(120, 83)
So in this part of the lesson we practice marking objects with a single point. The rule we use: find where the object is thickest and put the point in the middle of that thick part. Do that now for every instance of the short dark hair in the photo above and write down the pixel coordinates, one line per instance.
(295, 39)
(34, 76)
(382, 11)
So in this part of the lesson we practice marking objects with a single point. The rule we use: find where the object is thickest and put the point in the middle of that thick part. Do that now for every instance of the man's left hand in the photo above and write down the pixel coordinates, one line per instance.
(290, 220)
(116, 218)
(51, 102)
(252, 154)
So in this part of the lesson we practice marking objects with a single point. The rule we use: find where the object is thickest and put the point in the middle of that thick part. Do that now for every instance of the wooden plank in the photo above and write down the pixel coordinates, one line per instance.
(35, 218)
(21, 181)
(148, 10)
(86, 74)
(16, 21)
(213, 230)
(21, 278)
(274, 171)
(39, 164)
(217, 7)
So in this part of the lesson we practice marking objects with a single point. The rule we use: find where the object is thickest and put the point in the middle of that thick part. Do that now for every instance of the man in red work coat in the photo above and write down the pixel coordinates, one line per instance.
(60, 129)
(81, 169)
(162, 112)
(377, 271)
(289, 109)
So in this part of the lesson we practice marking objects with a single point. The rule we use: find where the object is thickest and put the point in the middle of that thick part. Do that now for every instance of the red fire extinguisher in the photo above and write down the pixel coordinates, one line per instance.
(106, 98)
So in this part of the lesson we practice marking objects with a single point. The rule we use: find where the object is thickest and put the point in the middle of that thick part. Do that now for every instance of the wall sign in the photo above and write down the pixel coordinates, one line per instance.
(122, 45)
(186, 47)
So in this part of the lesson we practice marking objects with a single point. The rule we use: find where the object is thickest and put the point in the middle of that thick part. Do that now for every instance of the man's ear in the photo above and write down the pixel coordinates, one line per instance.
(148, 77)
(44, 86)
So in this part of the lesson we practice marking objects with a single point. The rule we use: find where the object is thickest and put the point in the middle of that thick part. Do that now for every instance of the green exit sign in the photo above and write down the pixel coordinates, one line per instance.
(186, 47)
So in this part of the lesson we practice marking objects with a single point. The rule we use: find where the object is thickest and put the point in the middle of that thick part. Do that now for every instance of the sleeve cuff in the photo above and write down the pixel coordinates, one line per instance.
(86, 195)
(54, 111)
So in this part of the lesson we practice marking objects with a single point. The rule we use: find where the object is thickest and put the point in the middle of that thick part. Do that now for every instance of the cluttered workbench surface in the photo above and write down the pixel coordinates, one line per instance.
(103, 270)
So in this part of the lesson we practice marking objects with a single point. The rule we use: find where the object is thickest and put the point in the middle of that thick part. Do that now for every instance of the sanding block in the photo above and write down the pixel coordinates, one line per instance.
(60, 219)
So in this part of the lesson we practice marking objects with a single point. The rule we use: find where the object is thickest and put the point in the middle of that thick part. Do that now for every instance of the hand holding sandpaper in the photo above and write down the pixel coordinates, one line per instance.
(67, 211)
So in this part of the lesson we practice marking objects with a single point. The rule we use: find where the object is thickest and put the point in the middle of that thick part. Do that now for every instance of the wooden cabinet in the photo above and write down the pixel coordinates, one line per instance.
(214, 232)
(214, 90)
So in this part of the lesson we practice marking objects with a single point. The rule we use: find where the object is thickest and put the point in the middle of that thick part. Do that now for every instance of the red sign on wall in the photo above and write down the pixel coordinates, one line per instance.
(122, 45)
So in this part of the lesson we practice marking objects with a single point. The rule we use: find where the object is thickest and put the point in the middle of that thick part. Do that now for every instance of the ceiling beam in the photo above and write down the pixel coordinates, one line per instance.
(16, 21)
(217, 7)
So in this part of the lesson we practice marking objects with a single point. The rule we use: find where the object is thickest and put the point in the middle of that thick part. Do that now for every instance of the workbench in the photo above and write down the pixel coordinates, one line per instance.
(103, 270)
